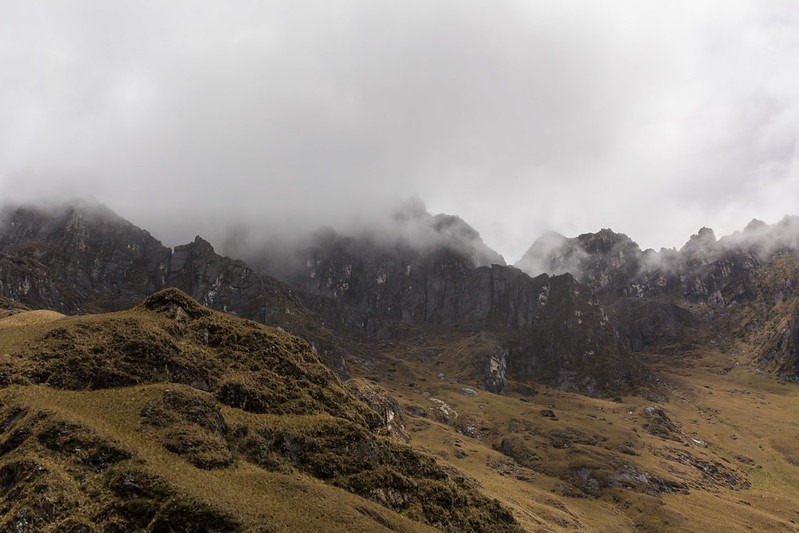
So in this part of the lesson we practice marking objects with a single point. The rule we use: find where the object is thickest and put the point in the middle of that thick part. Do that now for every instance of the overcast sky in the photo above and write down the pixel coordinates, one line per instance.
(652, 118)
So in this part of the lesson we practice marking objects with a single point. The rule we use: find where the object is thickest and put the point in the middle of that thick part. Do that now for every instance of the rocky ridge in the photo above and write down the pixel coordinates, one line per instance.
(548, 328)
(81, 257)
(436, 271)
(430, 332)
(667, 298)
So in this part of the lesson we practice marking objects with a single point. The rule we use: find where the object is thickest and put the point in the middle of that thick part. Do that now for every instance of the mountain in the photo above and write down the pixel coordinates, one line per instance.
(605, 389)
(674, 299)
(431, 271)
(546, 328)
(705, 270)
(80, 257)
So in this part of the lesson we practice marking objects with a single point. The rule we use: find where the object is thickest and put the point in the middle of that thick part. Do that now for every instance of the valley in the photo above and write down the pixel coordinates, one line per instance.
(723, 458)
(408, 382)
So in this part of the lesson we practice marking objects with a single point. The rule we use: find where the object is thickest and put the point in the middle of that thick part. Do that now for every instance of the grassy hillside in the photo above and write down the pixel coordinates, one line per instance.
(714, 447)
(174, 417)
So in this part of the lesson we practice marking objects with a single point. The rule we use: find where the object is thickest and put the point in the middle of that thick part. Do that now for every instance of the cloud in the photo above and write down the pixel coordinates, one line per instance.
(653, 119)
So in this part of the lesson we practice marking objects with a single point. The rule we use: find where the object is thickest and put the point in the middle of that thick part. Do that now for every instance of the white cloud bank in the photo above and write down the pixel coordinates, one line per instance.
(652, 118)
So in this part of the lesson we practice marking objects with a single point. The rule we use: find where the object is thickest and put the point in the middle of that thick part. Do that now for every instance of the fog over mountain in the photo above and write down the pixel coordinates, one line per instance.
(249, 119)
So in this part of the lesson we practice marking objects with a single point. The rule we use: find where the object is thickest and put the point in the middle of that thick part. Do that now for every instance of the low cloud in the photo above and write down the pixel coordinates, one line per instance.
(242, 120)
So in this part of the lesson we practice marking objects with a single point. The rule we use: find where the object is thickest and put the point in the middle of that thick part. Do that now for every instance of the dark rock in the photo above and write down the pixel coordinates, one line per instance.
(713, 473)
(627, 449)
(659, 424)
(81, 257)
(547, 328)
(81, 446)
(383, 404)
(673, 300)
(644, 322)
(781, 350)
(416, 411)
(515, 447)
(176, 304)
(437, 271)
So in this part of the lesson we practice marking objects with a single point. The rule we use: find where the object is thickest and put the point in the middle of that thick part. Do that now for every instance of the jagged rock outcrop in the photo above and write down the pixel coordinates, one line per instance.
(83, 258)
(432, 271)
(78, 258)
(606, 261)
(781, 352)
(382, 403)
(227, 284)
(387, 275)
(659, 298)
(551, 328)
(774, 327)
(705, 270)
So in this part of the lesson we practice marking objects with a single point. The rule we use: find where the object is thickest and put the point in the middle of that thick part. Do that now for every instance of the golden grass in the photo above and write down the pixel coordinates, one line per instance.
(27, 318)
(740, 421)
(132, 385)
(251, 495)
(729, 463)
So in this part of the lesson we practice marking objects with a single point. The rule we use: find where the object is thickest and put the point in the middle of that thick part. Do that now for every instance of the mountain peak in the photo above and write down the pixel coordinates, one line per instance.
(703, 239)
(551, 253)
(412, 208)
(605, 241)
(202, 245)
(754, 225)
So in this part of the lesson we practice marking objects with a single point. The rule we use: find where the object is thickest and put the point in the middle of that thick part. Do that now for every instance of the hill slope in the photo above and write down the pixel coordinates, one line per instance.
(173, 417)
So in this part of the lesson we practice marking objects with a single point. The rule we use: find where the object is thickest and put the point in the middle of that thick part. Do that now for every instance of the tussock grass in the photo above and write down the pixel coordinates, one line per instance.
(26, 318)
(170, 412)
(727, 463)
(173, 416)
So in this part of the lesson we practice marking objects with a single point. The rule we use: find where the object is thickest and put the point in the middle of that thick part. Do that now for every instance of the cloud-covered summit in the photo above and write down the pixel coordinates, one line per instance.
(522, 117)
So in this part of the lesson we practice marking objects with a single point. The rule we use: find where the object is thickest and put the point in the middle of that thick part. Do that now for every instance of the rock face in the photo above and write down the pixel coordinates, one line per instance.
(83, 258)
(429, 271)
(549, 328)
(571, 328)
(644, 322)
(656, 299)
(381, 403)
(775, 327)
(705, 270)
(228, 285)
(782, 350)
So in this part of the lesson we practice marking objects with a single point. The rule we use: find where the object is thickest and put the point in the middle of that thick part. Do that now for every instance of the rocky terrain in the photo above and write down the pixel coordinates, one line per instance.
(83, 258)
(549, 329)
(592, 386)
(743, 284)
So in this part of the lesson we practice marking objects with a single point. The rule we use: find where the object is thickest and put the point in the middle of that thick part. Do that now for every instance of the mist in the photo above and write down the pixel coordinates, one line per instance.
(556, 254)
(251, 122)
